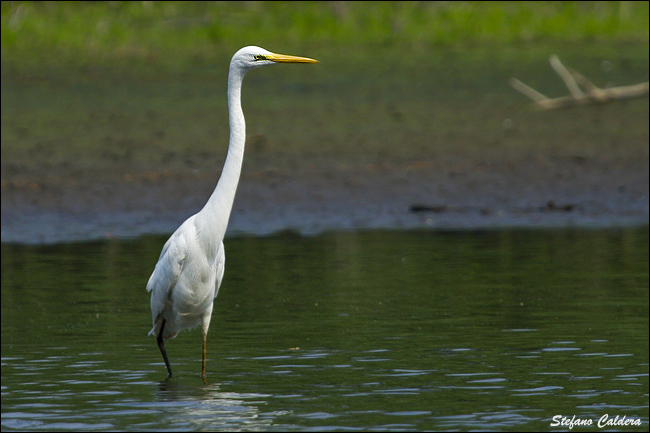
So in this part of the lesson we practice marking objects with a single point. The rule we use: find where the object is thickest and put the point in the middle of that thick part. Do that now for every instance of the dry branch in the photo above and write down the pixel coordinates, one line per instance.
(588, 94)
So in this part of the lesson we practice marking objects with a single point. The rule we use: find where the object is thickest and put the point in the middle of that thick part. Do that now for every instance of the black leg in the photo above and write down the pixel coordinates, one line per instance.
(161, 346)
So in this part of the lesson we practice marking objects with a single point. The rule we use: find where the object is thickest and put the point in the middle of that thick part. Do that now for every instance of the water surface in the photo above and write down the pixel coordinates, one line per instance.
(487, 330)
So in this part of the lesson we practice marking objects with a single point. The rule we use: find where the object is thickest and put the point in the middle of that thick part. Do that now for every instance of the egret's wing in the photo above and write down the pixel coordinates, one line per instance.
(165, 275)
(221, 267)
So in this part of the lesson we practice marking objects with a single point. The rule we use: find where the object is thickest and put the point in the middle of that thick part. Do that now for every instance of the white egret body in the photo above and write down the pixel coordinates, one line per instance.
(190, 269)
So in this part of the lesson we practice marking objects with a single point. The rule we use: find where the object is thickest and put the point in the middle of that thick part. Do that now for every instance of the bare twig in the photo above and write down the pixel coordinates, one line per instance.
(587, 84)
(588, 94)
(566, 75)
(528, 91)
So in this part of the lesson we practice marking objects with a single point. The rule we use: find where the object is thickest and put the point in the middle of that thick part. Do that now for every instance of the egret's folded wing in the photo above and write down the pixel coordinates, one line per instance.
(165, 275)
(221, 266)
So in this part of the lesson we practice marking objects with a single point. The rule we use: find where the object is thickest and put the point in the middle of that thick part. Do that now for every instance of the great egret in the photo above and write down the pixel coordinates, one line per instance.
(190, 268)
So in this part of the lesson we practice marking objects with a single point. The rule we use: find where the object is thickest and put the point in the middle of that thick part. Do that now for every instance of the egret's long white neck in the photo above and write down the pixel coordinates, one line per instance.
(217, 209)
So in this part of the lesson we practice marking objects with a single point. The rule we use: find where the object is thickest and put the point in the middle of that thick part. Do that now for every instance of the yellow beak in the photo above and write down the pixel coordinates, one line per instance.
(284, 58)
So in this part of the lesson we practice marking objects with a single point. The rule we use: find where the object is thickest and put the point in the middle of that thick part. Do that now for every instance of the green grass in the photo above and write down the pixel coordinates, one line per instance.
(144, 83)
(175, 35)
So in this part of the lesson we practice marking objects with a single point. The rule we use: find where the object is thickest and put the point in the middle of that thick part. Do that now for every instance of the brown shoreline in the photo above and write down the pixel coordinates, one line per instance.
(455, 190)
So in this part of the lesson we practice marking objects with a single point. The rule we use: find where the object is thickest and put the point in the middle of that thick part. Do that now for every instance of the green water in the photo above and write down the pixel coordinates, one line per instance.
(497, 330)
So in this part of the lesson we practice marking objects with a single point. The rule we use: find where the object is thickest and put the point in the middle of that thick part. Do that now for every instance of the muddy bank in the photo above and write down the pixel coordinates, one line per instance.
(458, 190)
(440, 142)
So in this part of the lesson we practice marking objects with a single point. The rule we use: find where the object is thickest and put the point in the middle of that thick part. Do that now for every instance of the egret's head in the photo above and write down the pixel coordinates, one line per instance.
(253, 57)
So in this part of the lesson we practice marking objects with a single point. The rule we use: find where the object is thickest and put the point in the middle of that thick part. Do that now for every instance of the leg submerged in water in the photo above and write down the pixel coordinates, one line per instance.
(205, 340)
(161, 346)
(205, 327)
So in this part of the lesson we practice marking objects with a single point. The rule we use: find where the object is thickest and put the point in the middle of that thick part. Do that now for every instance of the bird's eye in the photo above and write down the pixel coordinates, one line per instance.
(259, 57)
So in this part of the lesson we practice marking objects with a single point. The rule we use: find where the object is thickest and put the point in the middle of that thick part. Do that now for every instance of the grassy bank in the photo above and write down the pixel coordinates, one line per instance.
(348, 107)
(143, 83)
(37, 35)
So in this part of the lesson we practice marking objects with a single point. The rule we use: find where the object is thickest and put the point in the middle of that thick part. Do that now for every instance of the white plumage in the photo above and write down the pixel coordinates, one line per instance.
(190, 268)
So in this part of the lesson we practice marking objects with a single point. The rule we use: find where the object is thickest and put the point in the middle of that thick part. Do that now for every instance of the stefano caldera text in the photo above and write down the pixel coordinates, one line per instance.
(603, 421)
